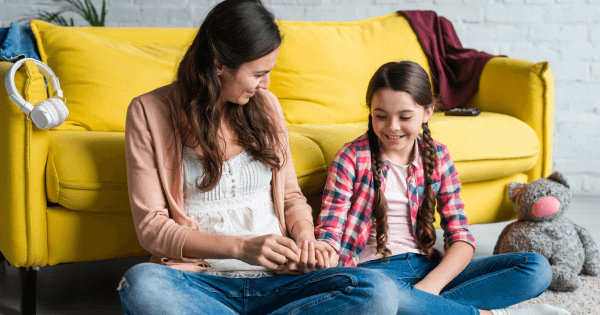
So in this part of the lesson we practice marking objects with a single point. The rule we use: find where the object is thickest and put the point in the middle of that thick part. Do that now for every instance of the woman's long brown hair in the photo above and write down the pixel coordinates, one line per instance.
(409, 77)
(234, 32)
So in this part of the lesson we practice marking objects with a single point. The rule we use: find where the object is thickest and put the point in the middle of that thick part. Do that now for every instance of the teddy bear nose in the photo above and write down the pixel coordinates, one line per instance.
(545, 207)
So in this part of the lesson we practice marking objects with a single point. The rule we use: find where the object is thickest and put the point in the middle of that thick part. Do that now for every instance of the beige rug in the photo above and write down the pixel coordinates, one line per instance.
(584, 301)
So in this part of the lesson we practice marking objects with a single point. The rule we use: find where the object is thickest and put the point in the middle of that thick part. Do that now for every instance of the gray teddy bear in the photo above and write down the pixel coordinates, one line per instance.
(541, 228)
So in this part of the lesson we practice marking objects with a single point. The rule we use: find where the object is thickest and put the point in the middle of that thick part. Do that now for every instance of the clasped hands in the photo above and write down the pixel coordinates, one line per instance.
(284, 256)
(313, 255)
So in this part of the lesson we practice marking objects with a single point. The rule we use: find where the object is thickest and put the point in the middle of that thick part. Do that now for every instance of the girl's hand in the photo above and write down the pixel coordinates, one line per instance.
(329, 254)
(310, 259)
(268, 251)
(314, 256)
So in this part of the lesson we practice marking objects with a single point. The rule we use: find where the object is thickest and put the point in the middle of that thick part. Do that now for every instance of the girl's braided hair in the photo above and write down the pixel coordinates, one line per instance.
(409, 77)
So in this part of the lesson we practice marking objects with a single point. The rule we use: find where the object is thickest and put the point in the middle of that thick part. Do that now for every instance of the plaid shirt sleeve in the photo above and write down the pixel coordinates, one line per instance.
(337, 201)
(450, 206)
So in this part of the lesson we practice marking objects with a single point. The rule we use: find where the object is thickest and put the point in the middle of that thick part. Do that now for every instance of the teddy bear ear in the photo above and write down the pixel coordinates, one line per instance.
(513, 190)
(557, 177)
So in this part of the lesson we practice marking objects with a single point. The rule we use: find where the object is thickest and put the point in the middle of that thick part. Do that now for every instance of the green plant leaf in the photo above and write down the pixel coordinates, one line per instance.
(91, 11)
(84, 8)
(51, 18)
(103, 12)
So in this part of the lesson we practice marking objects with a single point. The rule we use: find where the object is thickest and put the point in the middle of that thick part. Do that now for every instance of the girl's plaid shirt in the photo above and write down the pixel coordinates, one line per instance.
(345, 219)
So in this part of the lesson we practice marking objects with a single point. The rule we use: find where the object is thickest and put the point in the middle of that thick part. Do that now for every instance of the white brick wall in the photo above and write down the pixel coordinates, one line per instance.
(564, 32)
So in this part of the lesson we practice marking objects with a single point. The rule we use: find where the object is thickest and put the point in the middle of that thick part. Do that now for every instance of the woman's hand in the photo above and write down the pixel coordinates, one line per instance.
(268, 251)
(314, 255)
(310, 259)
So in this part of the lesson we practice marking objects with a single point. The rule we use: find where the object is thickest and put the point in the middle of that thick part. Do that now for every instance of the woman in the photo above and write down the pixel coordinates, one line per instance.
(214, 194)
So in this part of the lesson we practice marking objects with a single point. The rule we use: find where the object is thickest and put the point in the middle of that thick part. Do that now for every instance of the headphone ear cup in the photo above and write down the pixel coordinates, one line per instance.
(61, 109)
(48, 111)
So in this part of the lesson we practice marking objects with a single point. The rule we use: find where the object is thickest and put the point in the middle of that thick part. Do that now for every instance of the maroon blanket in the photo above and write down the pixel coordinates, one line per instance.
(455, 70)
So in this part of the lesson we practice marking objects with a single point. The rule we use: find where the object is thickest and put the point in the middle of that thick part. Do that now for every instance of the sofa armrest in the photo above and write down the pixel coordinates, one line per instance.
(524, 90)
(24, 151)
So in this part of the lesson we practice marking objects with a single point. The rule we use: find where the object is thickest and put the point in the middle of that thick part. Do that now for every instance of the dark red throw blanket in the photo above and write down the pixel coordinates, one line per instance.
(455, 70)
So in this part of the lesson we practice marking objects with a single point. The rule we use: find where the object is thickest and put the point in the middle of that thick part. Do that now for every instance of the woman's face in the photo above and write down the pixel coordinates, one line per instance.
(238, 86)
(397, 121)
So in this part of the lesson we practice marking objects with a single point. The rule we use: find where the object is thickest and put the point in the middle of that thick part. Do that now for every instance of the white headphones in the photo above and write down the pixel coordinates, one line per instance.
(46, 114)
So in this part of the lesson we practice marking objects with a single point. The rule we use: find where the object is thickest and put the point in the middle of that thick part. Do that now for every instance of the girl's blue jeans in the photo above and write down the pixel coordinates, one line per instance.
(486, 283)
(150, 288)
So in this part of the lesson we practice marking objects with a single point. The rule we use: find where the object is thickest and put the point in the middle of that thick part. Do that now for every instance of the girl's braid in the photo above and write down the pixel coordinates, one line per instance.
(380, 208)
(425, 216)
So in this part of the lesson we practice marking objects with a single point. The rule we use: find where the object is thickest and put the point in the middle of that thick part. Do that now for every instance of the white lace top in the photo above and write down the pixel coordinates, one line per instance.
(239, 205)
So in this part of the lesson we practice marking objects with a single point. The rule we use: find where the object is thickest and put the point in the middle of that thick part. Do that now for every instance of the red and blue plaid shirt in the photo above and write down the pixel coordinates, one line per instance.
(345, 219)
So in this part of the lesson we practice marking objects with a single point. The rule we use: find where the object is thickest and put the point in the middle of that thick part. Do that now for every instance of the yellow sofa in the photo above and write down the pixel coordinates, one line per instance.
(66, 191)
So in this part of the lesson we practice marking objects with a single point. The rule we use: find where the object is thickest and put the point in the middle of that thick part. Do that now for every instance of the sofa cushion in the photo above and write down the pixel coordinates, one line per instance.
(485, 147)
(324, 68)
(86, 170)
(488, 146)
(321, 75)
(309, 163)
(102, 69)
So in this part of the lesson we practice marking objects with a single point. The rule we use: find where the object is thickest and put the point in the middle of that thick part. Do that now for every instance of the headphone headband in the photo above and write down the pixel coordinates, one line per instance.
(11, 88)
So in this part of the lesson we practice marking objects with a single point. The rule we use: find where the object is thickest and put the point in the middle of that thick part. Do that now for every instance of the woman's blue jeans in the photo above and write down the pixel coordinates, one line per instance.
(150, 288)
(486, 283)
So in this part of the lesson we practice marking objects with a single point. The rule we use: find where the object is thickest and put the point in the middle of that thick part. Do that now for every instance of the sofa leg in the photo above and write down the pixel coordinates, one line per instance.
(28, 283)
(3, 262)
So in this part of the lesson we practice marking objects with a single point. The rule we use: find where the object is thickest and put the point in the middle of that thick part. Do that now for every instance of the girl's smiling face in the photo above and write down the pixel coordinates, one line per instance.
(397, 121)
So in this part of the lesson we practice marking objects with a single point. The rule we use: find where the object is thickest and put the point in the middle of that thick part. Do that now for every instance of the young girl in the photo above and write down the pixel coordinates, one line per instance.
(378, 211)
(214, 194)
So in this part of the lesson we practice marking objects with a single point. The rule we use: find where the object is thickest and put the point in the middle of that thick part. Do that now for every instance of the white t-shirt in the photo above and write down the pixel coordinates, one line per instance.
(400, 239)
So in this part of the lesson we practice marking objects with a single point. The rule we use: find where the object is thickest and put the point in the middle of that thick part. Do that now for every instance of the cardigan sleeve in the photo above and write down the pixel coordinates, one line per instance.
(294, 202)
(157, 232)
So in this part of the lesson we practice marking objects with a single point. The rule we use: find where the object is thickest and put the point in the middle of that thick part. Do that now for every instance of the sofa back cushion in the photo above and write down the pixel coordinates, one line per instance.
(323, 68)
(321, 75)
(102, 69)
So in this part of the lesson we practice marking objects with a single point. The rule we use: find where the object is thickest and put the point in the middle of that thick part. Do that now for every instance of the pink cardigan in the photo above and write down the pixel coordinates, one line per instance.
(155, 179)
